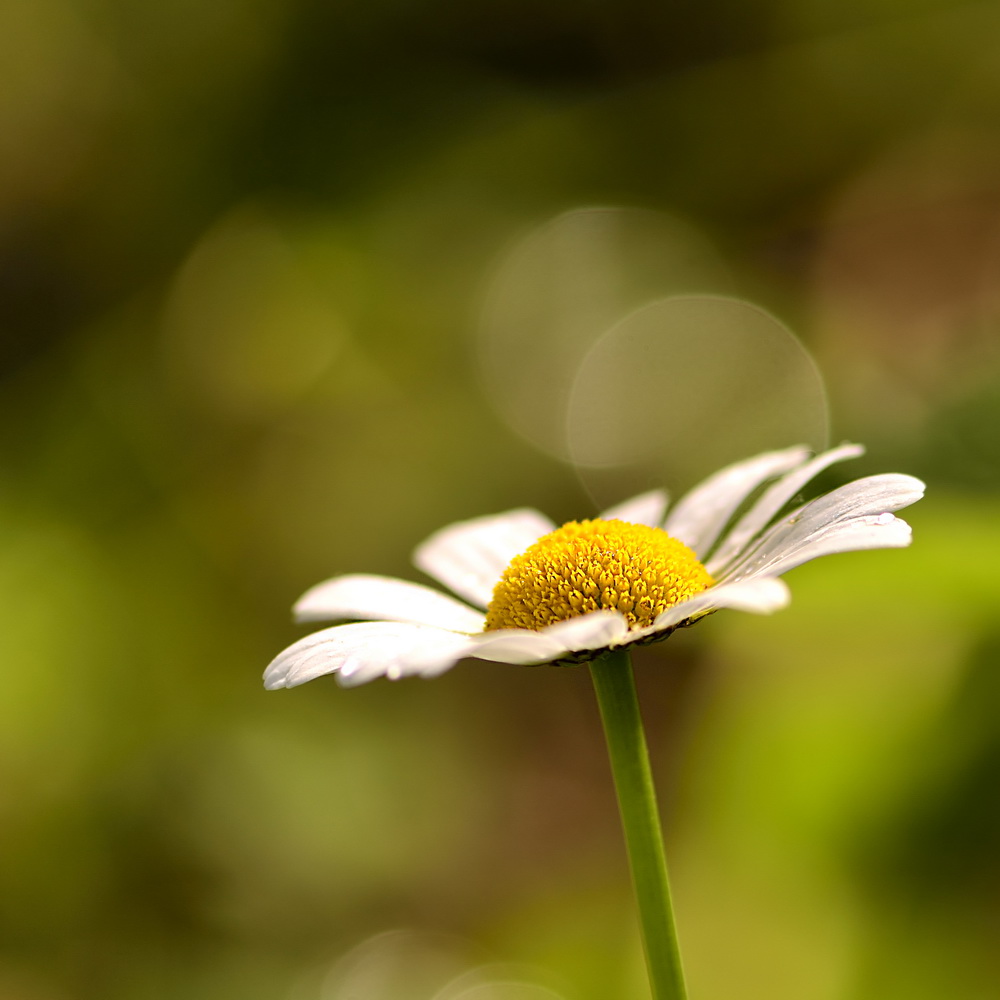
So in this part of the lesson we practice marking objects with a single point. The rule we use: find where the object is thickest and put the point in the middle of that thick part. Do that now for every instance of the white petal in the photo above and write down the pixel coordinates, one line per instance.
(596, 630)
(383, 598)
(858, 515)
(701, 514)
(761, 596)
(647, 508)
(469, 557)
(364, 651)
(772, 500)
(873, 531)
(515, 645)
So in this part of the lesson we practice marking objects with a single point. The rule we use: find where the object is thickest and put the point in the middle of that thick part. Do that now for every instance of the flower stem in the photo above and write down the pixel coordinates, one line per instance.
(616, 698)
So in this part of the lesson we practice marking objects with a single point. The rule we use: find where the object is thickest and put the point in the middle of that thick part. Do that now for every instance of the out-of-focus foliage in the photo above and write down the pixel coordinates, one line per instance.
(245, 249)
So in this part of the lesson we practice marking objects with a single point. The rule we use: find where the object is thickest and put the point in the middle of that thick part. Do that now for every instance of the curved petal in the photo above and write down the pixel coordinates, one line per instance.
(384, 598)
(701, 514)
(770, 503)
(858, 515)
(873, 531)
(647, 508)
(596, 630)
(761, 596)
(366, 650)
(515, 645)
(469, 557)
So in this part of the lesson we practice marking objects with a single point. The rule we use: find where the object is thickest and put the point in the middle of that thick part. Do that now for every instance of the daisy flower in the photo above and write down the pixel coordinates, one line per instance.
(537, 593)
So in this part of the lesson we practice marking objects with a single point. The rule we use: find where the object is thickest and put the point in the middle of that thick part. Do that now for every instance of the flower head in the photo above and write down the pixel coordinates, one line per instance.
(596, 565)
(632, 575)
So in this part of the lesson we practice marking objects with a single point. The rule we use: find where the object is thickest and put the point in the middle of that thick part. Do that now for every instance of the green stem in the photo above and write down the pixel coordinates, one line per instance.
(616, 698)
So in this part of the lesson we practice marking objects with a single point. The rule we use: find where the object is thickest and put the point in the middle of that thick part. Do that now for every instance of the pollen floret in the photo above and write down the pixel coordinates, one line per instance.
(596, 565)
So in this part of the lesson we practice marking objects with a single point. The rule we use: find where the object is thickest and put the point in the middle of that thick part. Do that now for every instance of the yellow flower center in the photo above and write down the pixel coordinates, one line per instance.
(588, 566)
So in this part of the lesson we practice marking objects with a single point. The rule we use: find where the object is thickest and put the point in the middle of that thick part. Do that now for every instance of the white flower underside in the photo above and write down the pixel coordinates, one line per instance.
(407, 629)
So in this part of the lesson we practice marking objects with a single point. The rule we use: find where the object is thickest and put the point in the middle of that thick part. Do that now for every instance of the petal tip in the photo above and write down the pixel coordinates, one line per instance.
(274, 680)
(776, 596)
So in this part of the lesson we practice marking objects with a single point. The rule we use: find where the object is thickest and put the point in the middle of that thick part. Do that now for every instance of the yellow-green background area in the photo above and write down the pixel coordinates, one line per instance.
(195, 427)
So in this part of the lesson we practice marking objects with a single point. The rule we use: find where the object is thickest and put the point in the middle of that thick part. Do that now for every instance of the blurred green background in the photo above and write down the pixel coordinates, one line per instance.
(246, 258)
